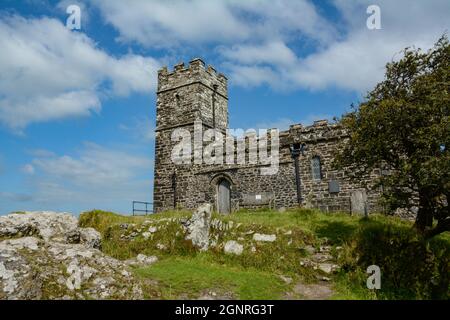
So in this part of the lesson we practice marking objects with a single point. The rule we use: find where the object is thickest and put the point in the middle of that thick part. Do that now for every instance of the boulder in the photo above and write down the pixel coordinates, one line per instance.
(197, 227)
(152, 229)
(327, 267)
(44, 255)
(233, 247)
(146, 235)
(143, 259)
(264, 237)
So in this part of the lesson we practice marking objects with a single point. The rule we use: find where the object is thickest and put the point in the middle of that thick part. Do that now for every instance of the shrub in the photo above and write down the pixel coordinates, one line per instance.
(411, 268)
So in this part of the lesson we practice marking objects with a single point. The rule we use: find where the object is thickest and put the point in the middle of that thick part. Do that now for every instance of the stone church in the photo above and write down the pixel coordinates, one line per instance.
(305, 176)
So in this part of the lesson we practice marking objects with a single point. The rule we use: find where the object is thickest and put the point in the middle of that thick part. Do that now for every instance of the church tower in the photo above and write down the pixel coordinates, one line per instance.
(184, 95)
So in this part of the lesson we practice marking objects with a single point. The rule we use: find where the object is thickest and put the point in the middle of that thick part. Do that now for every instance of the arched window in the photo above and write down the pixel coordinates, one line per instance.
(316, 168)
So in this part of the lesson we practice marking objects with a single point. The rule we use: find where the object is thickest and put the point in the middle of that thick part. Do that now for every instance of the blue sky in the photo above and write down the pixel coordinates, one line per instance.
(77, 108)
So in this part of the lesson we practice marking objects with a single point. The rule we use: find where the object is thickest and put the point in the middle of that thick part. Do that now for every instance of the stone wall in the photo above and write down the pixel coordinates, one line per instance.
(189, 94)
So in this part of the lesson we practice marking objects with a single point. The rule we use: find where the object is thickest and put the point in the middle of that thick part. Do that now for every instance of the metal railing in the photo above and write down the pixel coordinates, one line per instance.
(146, 210)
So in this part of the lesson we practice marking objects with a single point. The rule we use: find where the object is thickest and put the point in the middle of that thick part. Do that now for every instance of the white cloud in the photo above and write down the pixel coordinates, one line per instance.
(94, 176)
(260, 42)
(252, 75)
(49, 72)
(141, 128)
(354, 62)
(275, 52)
(64, 74)
(95, 166)
(163, 23)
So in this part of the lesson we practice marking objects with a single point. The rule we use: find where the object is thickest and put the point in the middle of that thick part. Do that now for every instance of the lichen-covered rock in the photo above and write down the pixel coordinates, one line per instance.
(88, 236)
(142, 260)
(328, 267)
(44, 224)
(197, 228)
(233, 247)
(264, 237)
(49, 257)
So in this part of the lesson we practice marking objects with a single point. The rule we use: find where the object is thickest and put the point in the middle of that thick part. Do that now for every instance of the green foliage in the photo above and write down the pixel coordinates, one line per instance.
(403, 127)
(411, 268)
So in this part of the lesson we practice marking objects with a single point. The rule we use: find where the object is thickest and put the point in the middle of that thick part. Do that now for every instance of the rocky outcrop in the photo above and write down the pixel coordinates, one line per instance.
(44, 255)
(43, 224)
(197, 228)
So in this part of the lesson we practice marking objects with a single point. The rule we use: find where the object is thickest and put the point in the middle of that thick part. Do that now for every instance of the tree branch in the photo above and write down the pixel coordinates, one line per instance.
(442, 226)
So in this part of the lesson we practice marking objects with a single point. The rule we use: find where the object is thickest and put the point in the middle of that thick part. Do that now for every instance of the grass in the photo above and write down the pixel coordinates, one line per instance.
(188, 276)
(411, 268)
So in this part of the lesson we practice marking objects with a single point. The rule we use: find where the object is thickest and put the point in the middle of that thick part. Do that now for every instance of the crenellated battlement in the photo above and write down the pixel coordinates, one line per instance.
(195, 72)
(320, 130)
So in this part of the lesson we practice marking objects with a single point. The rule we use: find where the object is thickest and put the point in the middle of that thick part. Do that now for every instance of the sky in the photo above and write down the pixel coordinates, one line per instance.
(77, 107)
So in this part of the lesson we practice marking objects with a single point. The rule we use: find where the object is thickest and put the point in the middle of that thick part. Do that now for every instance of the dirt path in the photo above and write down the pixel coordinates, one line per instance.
(316, 291)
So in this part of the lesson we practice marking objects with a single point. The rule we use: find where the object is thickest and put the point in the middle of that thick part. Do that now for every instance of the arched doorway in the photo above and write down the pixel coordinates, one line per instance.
(223, 196)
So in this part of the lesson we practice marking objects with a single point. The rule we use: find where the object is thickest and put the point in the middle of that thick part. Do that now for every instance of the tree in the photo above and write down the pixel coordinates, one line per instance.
(403, 127)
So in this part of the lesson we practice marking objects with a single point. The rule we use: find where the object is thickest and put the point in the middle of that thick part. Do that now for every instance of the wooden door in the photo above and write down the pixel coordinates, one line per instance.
(223, 197)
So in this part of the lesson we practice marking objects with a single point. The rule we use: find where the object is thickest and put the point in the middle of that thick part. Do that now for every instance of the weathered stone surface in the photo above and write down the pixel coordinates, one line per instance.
(359, 204)
(146, 235)
(49, 257)
(320, 259)
(88, 236)
(327, 267)
(264, 237)
(319, 291)
(233, 247)
(198, 227)
(142, 258)
(44, 224)
(48, 226)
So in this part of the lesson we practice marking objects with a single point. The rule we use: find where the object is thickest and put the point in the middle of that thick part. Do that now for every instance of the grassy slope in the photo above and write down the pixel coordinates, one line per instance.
(183, 272)
(189, 276)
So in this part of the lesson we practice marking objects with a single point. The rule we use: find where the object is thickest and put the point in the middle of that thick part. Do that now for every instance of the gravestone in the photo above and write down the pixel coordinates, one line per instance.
(358, 200)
